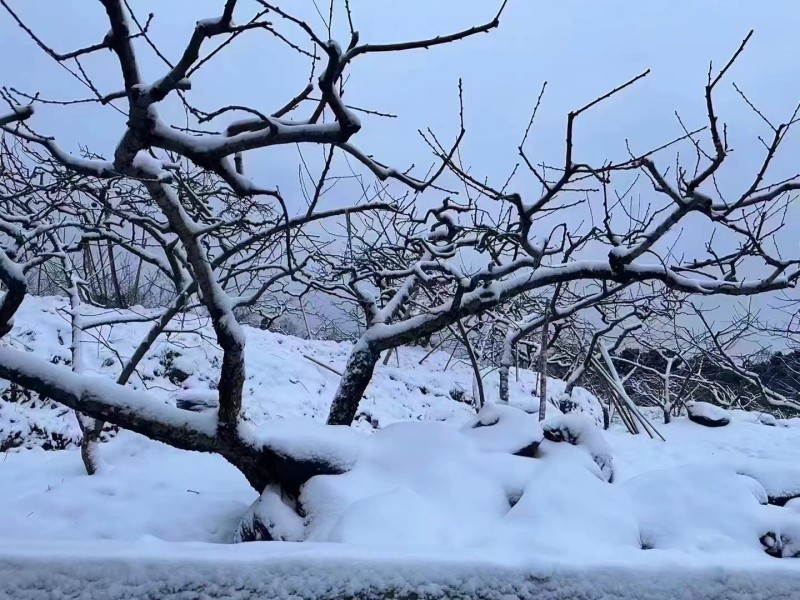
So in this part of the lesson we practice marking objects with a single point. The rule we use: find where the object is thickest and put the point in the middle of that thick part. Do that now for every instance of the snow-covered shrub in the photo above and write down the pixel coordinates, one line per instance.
(579, 430)
(581, 401)
(498, 428)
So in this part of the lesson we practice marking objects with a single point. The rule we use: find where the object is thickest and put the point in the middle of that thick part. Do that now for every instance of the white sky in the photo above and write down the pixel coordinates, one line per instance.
(581, 48)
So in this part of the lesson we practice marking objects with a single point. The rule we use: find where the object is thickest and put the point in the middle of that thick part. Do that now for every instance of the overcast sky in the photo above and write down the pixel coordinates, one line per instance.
(582, 48)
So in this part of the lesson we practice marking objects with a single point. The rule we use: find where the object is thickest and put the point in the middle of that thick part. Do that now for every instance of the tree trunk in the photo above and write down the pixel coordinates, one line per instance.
(476, 369)
(135, 291)
(87, 424)
(353, 384)
(667, 414)
(543, 367)
(504, 395)
(114, 276)
(509, 349)
(89, 438)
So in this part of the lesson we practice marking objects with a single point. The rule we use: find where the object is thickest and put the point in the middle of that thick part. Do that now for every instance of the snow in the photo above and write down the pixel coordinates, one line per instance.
(209, 22)
(115, 396)
(281, 383)
(699, 509)
(292, 571)
(781, 481)
(498, 428)
(431, 498)
(308, 440)
(143, 490)
(575, 428)
(151, 165)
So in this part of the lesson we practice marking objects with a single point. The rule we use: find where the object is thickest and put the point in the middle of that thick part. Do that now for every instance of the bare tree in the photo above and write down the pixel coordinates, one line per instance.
(728, 350)
(483, 261)
(224, 254)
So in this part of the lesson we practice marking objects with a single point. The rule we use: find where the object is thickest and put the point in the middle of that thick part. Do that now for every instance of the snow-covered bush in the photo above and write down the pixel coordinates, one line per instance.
(578, 430)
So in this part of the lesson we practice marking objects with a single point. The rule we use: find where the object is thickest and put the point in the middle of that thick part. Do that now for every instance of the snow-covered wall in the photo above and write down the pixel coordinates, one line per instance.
(252, 571)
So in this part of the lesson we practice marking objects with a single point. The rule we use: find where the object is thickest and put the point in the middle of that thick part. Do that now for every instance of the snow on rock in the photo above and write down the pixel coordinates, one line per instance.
(781, 544)
(578, 430)
(498, 428)
(704, 413)
(270, 518)
(767, 419)
(780, 479)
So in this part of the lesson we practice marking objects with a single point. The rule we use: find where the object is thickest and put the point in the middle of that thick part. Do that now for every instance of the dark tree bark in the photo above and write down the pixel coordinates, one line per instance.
(357, 375)
(543, 366)
(504, 394)
(476, 368)
(114, 276)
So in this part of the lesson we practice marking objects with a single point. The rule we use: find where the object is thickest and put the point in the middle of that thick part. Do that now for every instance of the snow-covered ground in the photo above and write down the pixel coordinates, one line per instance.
(436, 506)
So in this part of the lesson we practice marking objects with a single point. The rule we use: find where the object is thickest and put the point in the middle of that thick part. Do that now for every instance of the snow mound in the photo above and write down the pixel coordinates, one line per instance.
(781, 479)
(567, 509)
(761, 418)
(415, 485)
(698, 508)
(429, 486)
(498, 428)
(576, 429)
